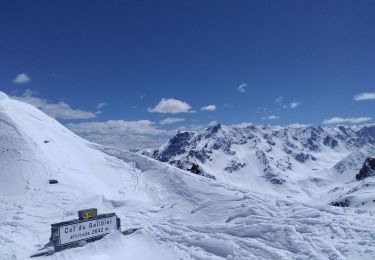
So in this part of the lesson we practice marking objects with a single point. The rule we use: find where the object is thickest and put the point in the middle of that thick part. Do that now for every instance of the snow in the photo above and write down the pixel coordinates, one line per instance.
(300, 162)
(180, 215)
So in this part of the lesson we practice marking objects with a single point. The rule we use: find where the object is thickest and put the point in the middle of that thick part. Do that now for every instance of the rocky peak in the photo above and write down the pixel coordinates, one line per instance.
(213, 130)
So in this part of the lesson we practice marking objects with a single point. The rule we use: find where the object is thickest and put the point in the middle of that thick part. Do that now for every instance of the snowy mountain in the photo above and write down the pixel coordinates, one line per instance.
(181, 215)
(300, 161)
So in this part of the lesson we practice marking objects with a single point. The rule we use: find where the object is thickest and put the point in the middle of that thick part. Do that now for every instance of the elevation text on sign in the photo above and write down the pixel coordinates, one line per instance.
(86, 230)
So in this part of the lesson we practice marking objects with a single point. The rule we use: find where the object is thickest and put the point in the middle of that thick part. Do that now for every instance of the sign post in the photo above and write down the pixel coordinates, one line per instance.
(88, 228)
(78, 232)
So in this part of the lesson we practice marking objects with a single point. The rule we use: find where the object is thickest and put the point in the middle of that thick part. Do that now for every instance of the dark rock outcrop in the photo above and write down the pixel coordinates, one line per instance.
(302, 157)
(367, 170)
(345, 203)
(199, 171)
(175, 147)
(234, 166)
(329, 141)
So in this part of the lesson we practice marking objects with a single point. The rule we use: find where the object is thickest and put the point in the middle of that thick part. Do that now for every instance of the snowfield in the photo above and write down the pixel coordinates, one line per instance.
(180, 215)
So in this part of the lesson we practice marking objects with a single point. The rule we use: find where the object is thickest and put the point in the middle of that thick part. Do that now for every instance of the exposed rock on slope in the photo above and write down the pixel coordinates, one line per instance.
(367, 170)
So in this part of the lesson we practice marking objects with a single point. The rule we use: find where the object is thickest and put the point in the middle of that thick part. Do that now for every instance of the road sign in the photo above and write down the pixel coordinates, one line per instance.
(76, 232)
(70, 233)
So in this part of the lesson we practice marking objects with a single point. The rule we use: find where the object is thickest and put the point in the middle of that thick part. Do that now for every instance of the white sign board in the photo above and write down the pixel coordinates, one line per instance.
(85, 230)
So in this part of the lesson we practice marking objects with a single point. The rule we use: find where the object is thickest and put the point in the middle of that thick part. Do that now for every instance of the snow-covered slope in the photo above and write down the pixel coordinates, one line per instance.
(299, 161)
(349, 190)
(35, 148)
(181, 215)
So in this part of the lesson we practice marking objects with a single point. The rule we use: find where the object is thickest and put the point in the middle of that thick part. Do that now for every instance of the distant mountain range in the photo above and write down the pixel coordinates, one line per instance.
(300, 161)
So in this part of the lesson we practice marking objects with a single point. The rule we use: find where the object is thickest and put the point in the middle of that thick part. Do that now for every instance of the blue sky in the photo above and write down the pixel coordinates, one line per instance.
(266, 62)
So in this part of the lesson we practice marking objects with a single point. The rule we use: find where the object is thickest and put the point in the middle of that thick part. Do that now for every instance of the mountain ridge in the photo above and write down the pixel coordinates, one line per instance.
(271, 156)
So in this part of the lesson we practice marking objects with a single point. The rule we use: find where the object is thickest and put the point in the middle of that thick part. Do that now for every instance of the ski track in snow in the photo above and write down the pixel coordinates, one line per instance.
(231, 224)
(236, 225)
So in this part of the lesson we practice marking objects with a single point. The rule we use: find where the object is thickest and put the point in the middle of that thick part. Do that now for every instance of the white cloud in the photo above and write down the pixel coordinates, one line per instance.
(298, 125)
(242, 88)
(209, 108)
(172, 106)
(59, 110)
(243, 125)
(294, 105)
(351, 120)
(273, 117)
(121, 133)
(359, 126)
(171, 120)
(365, 96)
(117, 127)
(22, 78)
(101, 105)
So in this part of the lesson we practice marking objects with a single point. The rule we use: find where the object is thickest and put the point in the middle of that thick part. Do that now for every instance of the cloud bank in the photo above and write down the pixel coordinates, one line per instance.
(122, 134)
(60, 110)
(351, 120)
(170, 120)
